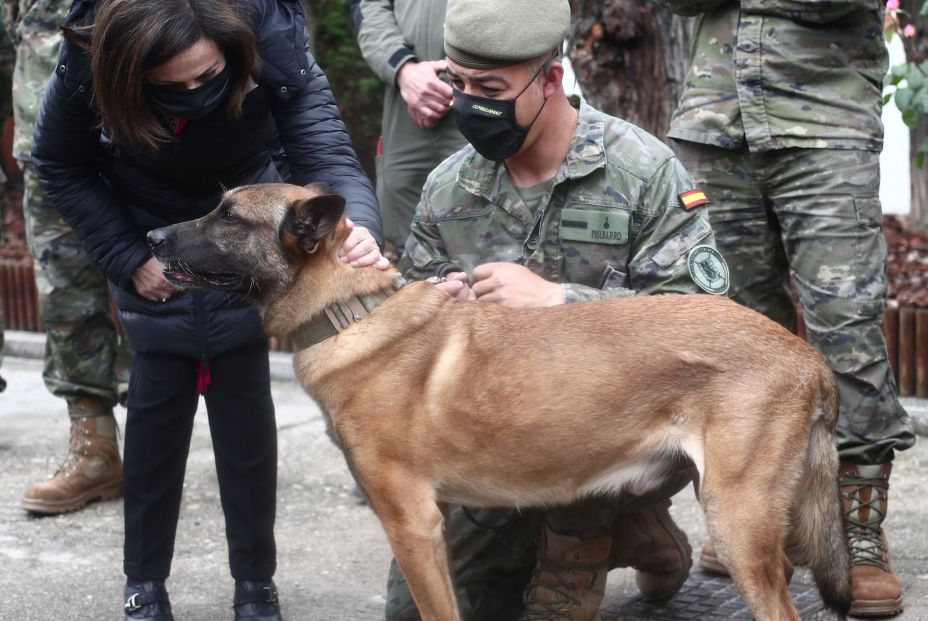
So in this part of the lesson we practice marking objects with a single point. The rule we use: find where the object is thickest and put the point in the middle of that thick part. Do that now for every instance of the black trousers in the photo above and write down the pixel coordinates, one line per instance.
(162, 404)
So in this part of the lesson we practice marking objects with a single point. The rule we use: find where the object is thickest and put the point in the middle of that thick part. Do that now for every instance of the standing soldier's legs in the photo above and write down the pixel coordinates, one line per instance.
(827, 215)
(82, 350)
(828, 205)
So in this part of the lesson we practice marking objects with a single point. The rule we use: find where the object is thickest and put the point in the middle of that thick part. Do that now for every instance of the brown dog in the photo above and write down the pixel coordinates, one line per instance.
(435, 400)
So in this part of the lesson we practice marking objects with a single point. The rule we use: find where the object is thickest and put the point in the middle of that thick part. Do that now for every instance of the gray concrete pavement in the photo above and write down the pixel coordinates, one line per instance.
(333, 555)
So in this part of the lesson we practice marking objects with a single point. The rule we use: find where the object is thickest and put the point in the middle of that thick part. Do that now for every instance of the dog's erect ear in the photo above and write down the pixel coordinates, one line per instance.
(308, 221)
(318, 187)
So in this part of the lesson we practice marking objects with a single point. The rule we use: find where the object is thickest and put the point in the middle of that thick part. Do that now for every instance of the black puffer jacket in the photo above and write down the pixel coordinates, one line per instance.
(112, 194)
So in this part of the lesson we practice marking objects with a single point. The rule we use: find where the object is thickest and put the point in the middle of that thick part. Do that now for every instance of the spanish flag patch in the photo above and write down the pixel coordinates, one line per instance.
(693, 198)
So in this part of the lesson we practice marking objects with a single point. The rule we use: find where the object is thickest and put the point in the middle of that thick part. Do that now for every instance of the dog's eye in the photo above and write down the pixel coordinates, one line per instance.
(228, 216)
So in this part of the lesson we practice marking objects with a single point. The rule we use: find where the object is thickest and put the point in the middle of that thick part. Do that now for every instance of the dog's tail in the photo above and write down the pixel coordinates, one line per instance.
(818, 518)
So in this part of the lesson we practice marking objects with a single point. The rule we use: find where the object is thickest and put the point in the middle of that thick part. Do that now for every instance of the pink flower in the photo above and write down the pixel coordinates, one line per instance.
(908, 31)
(892, 5)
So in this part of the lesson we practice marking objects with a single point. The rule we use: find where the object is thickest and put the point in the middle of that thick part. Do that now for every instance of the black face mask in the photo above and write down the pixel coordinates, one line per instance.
(191, 103)
(490, 124)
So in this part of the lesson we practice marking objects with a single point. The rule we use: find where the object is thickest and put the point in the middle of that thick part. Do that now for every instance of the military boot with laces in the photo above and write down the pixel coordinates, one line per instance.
(91, 471)
(569, 580)
(876, 590)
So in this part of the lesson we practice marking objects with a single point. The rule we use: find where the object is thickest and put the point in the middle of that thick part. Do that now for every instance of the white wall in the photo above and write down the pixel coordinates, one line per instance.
(895, 183)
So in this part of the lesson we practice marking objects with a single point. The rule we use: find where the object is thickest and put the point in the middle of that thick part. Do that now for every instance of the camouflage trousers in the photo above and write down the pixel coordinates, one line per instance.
(84, 354)
(813, 217)
(493, 551)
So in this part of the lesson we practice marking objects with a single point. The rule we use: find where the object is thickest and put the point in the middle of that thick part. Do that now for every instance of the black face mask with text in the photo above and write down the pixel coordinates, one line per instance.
(490, 124)
(191, 103)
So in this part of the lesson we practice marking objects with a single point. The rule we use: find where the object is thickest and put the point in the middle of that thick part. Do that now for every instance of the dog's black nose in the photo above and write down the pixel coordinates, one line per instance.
(155, 238)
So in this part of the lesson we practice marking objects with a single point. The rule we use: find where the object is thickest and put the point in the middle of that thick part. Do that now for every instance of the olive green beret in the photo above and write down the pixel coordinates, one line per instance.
(496, 33)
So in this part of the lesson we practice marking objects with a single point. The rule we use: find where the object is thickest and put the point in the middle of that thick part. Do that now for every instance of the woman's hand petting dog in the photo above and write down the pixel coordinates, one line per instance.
(360, 248)
(150, 283)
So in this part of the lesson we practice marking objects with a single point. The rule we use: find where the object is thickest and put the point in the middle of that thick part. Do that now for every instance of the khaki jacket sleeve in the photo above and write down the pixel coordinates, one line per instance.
(381, 41)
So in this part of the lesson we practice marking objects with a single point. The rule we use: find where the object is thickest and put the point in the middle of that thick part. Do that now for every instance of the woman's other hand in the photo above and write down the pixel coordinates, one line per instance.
(150, 282)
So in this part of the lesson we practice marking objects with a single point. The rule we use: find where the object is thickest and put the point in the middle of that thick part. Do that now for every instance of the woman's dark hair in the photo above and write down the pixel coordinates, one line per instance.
(129, 37)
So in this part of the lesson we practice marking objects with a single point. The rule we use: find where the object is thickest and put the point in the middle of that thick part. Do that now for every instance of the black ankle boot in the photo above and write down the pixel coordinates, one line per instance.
(256, 601)
(147, 601)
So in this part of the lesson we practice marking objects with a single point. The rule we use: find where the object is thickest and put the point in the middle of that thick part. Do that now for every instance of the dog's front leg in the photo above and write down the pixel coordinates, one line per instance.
(414, 524)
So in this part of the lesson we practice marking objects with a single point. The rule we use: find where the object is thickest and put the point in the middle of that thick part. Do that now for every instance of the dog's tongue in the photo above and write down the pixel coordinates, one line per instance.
(179, 275)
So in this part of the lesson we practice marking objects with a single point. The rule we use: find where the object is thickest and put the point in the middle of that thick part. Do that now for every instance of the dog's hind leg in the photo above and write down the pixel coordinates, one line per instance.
(750, 544)
(414, 524)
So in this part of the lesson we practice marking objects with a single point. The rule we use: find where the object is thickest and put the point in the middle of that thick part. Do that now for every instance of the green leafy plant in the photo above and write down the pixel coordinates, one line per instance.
(908, 81)
(358, 91)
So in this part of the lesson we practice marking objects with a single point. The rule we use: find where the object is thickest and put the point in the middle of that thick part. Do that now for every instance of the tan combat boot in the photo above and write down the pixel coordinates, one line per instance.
(649, 541)
(570, 579)
(91, 471)
(876, 590)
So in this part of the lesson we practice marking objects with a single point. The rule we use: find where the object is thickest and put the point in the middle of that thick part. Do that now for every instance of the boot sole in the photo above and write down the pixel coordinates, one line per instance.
(876, 608)
(110, 491)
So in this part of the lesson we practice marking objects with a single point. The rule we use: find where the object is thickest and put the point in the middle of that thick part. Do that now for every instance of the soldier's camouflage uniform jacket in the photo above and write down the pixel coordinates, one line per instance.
(783, 73)
(611, 222)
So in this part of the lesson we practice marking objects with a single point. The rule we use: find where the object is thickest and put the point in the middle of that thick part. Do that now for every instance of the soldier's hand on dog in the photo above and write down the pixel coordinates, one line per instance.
(427, 97)
(455, 285)
(150, 283)
(515, 286)
(360, 248)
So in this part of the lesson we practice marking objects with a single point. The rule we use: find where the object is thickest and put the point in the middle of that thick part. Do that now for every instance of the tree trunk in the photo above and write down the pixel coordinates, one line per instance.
(631, 58)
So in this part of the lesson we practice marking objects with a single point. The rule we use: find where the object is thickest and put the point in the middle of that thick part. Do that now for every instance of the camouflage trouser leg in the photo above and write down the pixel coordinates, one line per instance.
(813, 214)
(493, 551)
(84, 356)
(492, 555)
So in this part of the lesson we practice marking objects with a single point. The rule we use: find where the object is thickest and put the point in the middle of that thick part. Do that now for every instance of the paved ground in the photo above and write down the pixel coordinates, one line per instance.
(332, 554)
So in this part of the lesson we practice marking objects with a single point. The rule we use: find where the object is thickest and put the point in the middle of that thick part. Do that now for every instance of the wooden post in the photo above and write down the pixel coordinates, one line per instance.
(907, 351)
(921, 352)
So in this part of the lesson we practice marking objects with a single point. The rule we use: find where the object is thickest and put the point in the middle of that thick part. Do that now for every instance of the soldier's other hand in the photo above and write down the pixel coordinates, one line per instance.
(360, 249)
(150, 283)
(515, 286)
(455, 285)
(427, 97)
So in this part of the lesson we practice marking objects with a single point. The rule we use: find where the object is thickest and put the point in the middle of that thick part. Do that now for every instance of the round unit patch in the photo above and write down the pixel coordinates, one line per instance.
(708, 269)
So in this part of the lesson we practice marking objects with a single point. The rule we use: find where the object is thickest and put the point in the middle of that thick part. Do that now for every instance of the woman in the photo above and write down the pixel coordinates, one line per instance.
(155, 108)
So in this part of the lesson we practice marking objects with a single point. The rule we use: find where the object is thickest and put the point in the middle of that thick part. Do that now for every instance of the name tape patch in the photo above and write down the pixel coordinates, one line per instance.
(597, 227)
